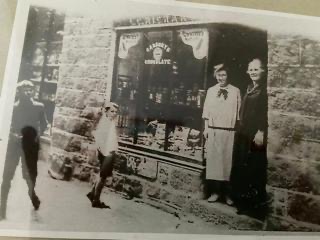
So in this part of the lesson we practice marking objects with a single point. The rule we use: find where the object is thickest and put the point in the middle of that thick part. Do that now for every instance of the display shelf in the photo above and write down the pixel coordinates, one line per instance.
(50, 82)
(53, 65)
(162, 153)
(35, 80)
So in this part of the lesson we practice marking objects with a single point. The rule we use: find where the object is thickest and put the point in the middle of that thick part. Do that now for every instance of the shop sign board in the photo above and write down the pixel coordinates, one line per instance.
(157, 53)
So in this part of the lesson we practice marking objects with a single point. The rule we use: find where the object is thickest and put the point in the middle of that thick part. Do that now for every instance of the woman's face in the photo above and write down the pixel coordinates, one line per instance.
(222, 78)
(111, 113)
(255, 70)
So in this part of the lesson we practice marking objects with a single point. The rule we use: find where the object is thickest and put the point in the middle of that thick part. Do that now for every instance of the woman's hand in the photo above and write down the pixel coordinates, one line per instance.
(258, 138)
(205, 130)
(205, 133)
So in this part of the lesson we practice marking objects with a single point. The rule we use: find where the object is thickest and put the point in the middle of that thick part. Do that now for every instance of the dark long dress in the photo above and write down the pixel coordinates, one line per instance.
(249, 173)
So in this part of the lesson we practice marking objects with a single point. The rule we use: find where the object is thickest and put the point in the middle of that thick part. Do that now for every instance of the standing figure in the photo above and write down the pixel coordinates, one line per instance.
(220, 114)
(249, 175)
(28, 123)
(106, 141)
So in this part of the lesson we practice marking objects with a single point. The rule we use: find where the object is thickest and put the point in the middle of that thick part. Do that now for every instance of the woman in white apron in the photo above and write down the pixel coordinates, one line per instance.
(220, 114)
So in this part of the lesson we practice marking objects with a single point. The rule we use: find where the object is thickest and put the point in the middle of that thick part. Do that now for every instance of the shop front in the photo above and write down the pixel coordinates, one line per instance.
(161, 75)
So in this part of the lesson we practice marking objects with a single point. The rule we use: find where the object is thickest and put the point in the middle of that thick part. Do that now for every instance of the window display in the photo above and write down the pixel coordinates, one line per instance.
(160, 87)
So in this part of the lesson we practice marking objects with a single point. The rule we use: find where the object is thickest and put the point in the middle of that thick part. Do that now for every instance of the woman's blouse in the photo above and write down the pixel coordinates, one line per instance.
(221, 106)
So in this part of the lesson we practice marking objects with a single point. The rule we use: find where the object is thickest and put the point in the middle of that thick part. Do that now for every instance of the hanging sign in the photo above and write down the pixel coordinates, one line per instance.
(198, 39)
(127, 41)
(157, 53)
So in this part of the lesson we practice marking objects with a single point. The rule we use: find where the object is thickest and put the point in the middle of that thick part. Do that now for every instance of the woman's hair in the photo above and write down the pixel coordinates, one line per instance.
(262, 65)
(218, 68)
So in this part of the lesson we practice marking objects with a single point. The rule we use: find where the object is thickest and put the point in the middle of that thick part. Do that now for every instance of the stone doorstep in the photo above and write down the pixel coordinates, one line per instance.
(219, 213)
(215, 213)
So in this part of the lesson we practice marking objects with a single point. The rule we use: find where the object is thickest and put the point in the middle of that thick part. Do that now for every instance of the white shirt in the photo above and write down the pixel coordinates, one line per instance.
(221, 112)
(105, 135)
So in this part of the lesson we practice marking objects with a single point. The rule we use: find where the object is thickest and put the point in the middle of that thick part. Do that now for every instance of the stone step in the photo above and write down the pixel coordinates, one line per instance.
(222, 214)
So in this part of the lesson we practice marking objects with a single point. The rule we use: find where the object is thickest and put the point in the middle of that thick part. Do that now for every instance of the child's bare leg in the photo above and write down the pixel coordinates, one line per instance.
(98, 188)
(105, 171)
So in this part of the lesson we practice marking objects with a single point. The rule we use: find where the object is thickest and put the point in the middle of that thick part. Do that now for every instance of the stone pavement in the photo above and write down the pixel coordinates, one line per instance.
(65, 207)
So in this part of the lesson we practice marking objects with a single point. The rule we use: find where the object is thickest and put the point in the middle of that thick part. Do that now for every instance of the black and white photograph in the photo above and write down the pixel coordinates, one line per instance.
(151, 117)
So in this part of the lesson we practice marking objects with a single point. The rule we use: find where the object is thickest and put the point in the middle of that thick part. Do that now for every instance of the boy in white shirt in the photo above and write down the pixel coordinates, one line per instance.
(106, 141)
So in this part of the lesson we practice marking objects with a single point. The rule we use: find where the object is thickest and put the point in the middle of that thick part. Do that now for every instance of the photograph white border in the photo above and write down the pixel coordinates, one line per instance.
(305, 25)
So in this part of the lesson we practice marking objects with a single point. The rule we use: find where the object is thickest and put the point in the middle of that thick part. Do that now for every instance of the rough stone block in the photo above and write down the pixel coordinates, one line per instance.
(118, 182)
(66, 141)
(219, 214)
(288, 174)
(284, 51)
(89, 149)
(304, 208)
(86, 85)
(172, 197)
(77, 126)
(133, 187)
(294, 101)
(91, 113)
(152, 191)
(279, 199)
(60, 158)
(313, 173)
(88, 41)
(316, 130)
(142, 166)
(288, 126)
(94, 56)
(82, 172)
(68, 112)
(84, 26)
(294, 77)
(303, 150)
(182, 179)
(78, 99)
(163, 174)
(120, 163)
(85, 71)
(282, 224)
(310, 54)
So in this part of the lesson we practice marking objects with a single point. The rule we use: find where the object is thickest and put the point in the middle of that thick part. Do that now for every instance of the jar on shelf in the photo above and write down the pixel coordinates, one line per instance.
(132, 94)
(158, 96)
(164, 94)
(181, 95)
(201, 98)
(189, 98)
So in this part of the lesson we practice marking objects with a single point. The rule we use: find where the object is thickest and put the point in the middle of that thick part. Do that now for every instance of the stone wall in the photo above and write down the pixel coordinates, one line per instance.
(85, 74)
(294, 127)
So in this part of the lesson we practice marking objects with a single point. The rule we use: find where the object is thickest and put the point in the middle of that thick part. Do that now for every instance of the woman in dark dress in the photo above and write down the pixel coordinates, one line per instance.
(249, 174)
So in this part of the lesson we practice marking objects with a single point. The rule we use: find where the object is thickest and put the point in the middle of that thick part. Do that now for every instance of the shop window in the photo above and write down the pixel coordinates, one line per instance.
(159, 86)
(41, 53)
(161, 80)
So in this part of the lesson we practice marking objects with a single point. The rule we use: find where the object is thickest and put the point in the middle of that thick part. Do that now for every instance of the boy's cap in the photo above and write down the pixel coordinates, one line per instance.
(110, 105)
(25, 83)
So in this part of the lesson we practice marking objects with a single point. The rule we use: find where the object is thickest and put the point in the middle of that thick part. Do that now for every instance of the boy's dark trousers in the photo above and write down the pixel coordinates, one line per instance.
(26, 149)
(106, 167)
